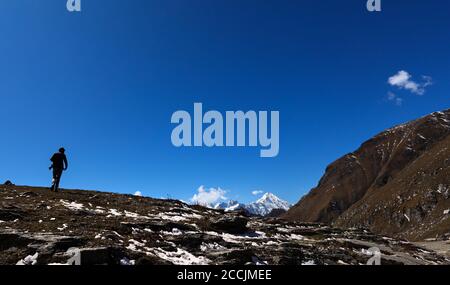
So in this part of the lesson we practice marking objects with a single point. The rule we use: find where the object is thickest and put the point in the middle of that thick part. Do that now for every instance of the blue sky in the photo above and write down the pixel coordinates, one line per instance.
(104, 83)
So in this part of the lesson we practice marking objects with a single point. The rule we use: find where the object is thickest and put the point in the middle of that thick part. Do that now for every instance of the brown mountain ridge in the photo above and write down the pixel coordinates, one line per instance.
(396, 183)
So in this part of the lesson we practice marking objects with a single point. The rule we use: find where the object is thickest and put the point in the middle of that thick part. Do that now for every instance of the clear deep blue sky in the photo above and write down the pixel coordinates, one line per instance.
(104, 83)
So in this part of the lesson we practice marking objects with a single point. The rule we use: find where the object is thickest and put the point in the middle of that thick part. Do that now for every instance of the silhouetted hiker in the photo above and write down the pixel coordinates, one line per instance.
(59, 163)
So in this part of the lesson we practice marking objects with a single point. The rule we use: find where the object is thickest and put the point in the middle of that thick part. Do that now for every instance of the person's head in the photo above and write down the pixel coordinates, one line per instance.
(62, 150)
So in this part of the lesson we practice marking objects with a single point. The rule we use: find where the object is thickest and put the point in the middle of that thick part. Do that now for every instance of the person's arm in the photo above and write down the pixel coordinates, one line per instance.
(65, 163)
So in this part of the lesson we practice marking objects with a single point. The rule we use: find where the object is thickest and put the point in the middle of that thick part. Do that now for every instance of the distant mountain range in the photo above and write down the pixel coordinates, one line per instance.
(397, 183)
(262, 207)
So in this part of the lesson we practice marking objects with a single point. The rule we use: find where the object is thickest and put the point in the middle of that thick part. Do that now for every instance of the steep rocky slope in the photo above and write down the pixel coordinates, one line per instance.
(414, 205)
(390, 184)
(41, 227)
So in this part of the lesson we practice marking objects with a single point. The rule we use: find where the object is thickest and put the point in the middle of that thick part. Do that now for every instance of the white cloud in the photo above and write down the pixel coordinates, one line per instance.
(394, 98)
(208, 197)
(138, 193)
(257, 192)
(403, 80)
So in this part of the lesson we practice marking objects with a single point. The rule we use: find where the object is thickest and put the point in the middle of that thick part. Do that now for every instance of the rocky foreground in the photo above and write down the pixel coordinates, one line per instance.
(41, 227)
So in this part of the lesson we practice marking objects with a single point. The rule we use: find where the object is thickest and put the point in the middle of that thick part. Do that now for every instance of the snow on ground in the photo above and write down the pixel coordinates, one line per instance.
(174, 232)
(125, 261)
(29, 260)
(296, 237)
(420, 136)
(72, 205)
(114, 212)
(192, 216)
(284, 230)
(206, 247)
(134, 244)
(239, 238)
(175, 217)
(180, 257)
(406, 216)
(64, 226)
(135, 215)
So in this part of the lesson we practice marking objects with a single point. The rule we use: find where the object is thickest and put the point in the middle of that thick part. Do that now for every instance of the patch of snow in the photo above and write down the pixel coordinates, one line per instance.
(63, 227)
(114, 212)
(174, 232)
(171, 217)
(283, 230)
(134, 215)
(229, 206)
(239, 238)
(117, 234)
(192, 216)
(309, 262)
(441, 189)
(420, 136)
(134, 244)
(406, 216)
(29, 260)
(296, 237)
(72, 205)
(125, 261)
(211, 247)
(180, 257)
(271, 242)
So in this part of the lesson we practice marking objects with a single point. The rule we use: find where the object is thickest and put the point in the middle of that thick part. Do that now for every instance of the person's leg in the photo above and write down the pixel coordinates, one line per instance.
(56, 178)
(53, 180)
(57, 184)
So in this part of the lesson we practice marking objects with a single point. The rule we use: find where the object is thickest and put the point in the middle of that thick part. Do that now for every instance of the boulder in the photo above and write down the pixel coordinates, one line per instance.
(229, 224)
(95, 256)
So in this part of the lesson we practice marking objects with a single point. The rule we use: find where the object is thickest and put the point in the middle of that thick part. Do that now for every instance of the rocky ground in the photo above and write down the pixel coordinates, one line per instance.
(41, 227)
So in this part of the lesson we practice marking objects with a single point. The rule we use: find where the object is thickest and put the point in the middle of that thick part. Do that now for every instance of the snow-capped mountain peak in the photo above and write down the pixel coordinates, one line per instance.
(261, 207)
(230, 205)
(268, 202)
(268, 198)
